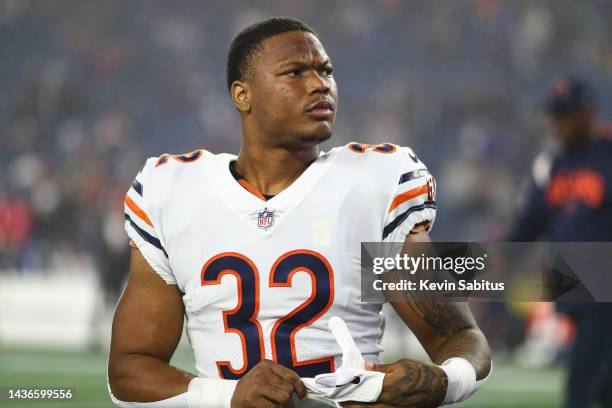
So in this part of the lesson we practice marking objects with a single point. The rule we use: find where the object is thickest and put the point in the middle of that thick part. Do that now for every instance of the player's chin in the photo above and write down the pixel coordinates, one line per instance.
(316, 136)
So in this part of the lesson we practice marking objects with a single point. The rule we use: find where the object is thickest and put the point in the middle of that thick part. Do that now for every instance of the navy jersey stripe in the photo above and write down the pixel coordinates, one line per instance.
(137, 187)
(400, 218)
(411, 175)
(146, 236)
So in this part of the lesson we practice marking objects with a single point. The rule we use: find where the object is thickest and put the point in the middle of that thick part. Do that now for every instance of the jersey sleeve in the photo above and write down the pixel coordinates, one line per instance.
(412, 207)
(141, 229)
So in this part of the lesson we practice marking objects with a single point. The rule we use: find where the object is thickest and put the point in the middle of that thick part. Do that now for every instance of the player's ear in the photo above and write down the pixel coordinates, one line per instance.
(241, 96)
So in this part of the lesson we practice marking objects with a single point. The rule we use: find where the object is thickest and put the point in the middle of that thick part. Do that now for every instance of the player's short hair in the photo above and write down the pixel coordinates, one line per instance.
(246, 42)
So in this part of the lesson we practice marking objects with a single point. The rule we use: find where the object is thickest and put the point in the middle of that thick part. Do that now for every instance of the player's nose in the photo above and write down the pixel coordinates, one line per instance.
(318, 83)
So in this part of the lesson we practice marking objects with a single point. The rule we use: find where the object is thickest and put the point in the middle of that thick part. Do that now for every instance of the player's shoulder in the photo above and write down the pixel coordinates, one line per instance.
(170, 161)
(160, 175)
(181, 164)
(381, 157)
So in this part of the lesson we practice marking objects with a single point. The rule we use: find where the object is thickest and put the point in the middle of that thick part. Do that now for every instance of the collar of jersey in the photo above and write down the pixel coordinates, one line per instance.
(248, 186)
(245, 203)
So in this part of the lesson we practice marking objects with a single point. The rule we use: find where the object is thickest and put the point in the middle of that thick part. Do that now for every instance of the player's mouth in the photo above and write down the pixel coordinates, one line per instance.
(321, 110)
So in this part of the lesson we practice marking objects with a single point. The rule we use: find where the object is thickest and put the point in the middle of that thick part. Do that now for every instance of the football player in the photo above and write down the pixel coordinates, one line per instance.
(259, 251)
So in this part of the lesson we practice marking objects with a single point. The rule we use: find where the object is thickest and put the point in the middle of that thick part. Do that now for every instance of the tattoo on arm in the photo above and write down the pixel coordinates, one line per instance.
(420, 385)
(457, 331)
(447, 318)
(454, 322)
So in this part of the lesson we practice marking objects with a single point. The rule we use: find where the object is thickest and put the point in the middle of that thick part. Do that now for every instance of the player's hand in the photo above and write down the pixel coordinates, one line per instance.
(411, 383)
(355, 404)
(268, 385)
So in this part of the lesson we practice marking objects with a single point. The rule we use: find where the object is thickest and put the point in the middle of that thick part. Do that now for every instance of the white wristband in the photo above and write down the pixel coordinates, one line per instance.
(210, 393)
(461, 379)
(479, 383)
(201, 393)
(178, 401)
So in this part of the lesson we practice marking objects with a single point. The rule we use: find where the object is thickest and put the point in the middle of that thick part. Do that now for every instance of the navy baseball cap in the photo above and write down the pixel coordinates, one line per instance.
(569, 94)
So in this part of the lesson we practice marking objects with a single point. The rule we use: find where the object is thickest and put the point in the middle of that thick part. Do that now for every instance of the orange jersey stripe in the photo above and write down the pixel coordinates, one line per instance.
(408, 195)
(132, 205)
(251, 189)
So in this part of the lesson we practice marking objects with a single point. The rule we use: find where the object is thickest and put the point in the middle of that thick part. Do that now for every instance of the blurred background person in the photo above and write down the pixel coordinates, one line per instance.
(570, 200)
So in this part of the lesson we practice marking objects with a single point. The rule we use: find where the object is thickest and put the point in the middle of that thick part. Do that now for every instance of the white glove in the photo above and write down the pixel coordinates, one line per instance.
(350, 382)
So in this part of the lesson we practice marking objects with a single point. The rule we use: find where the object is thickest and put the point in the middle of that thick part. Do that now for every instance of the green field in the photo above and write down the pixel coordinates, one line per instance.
(509, 387)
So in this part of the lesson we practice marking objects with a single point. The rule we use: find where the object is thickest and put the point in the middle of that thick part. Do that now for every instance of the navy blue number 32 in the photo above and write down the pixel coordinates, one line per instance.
(242, 320)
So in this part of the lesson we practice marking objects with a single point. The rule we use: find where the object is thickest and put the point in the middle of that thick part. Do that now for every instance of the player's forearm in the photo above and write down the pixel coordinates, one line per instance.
(142, 378)
(470, 344)
(414, 384)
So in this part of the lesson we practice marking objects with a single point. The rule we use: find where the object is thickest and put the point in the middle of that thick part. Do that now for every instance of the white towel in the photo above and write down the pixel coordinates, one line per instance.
(350, 382)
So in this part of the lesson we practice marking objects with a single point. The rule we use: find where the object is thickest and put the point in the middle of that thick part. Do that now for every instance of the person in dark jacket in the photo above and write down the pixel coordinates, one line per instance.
(570, 200)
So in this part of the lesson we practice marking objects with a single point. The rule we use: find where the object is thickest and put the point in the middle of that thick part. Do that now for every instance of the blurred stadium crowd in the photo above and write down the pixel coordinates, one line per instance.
(92, 88)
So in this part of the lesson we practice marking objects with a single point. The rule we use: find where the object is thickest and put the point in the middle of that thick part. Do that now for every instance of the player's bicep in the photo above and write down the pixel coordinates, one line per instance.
(149, 316)
(430, 316)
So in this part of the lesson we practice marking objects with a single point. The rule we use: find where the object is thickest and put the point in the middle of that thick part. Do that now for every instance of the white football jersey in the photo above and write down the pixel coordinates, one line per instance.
(262, 278)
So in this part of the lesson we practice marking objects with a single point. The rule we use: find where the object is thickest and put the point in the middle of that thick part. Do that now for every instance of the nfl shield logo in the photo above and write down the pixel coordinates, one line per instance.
(265, 219)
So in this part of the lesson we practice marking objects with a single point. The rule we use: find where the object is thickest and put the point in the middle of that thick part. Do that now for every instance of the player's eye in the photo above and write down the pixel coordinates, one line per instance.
(327, 71)
(293, 73)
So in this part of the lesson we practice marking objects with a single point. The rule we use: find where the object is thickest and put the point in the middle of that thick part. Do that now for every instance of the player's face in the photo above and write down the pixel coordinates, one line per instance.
(573, 128)
(293, 92)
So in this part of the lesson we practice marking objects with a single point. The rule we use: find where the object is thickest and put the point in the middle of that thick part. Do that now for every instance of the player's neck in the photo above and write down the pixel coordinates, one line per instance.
(271, 171)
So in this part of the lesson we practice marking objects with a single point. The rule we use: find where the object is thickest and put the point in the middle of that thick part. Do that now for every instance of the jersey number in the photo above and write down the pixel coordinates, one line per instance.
(242, 320)
(381, 148)
(182, 158)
